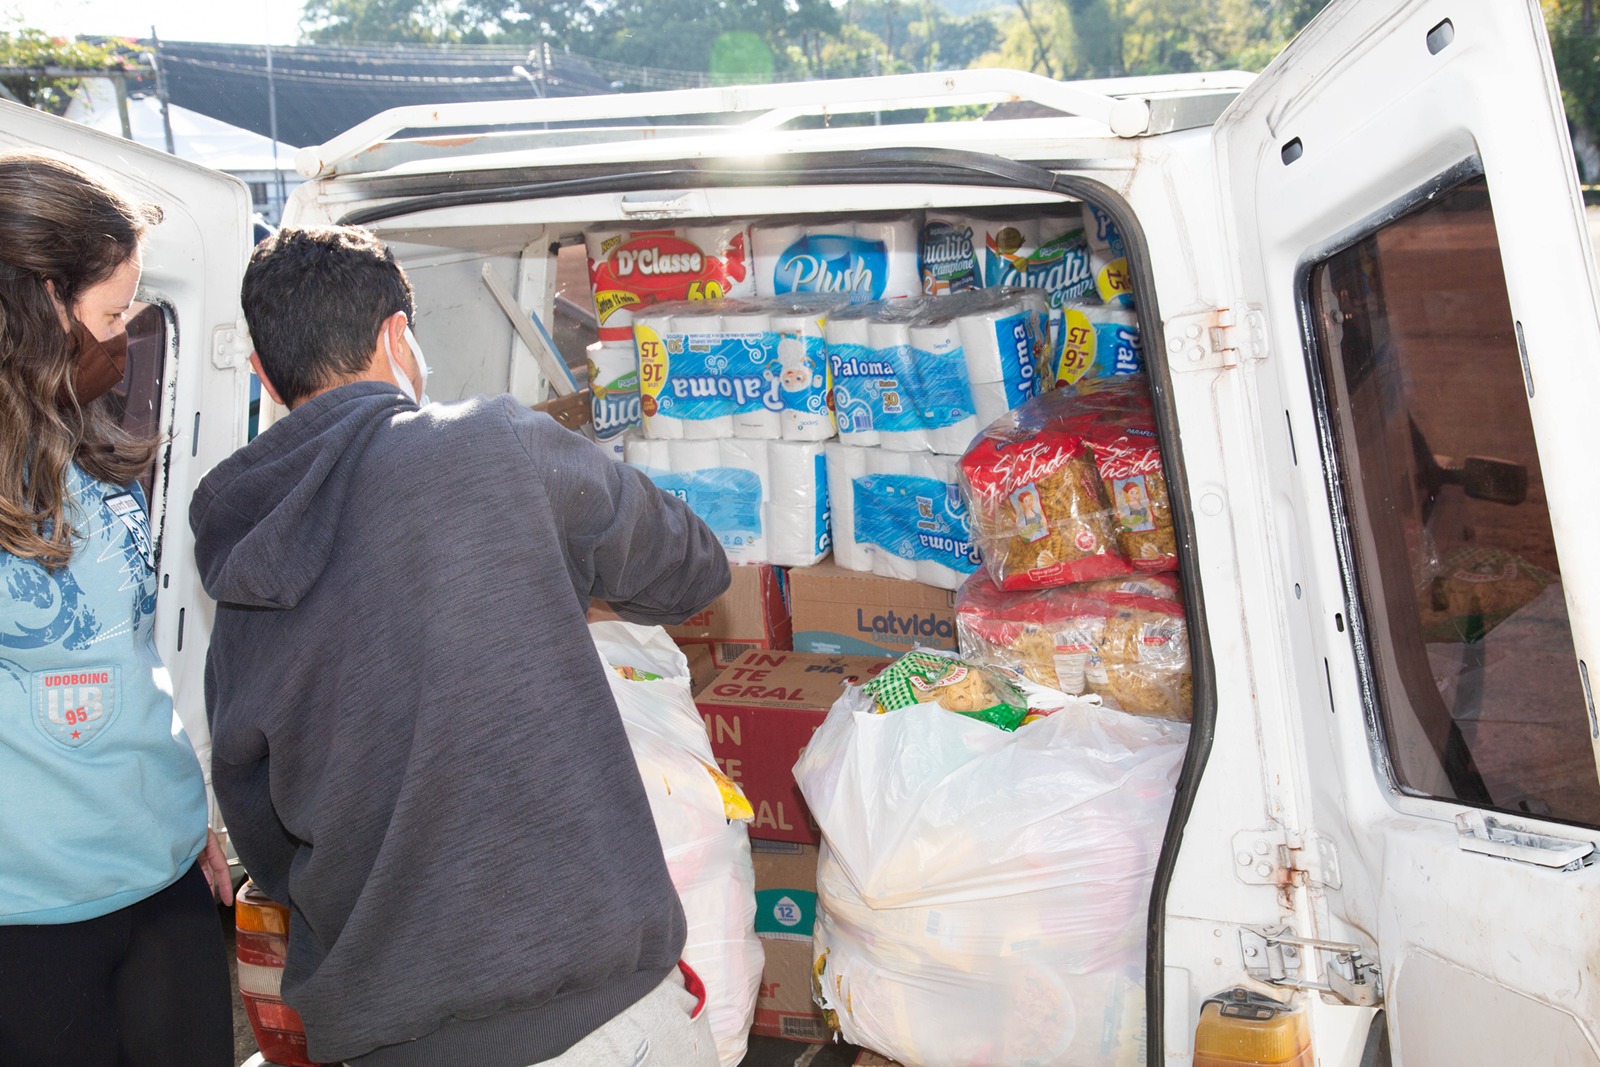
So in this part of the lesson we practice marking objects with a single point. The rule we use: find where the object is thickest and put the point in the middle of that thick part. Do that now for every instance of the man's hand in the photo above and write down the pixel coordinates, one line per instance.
(214, 865)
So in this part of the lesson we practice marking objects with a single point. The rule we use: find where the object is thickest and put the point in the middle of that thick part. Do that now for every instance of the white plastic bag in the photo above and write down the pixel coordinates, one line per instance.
(982, 894)
(708, 856)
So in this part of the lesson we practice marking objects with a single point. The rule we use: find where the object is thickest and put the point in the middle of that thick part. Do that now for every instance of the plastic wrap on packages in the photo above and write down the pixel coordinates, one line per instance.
(1124, 640)
(981, 894)
(1036, 506)
(925, 677)
(701, 818)
(1116, 419)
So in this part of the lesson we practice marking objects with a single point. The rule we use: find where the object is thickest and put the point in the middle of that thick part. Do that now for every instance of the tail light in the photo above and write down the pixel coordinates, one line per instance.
(1244, 1029)
(262, 940)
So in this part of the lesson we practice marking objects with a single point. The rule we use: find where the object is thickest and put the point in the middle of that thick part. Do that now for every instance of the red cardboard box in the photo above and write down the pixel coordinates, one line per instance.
(760, 713)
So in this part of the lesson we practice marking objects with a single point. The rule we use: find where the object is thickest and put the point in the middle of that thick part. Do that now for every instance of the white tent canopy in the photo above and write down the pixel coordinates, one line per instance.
(197, 138)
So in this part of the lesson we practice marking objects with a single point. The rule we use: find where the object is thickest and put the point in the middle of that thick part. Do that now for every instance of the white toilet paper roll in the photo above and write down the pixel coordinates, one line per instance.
(646, 453)
(755, 329)
(884, 461)
(694, 455)
(796, 537)
(845, 464)
(687, 330)
(801, 339)
(770, 241)
(798, 474)
(938, 575)
(849, 336)
(899, 238)
(748, 454)
(953, 440)
(663, 427)
(991, 401)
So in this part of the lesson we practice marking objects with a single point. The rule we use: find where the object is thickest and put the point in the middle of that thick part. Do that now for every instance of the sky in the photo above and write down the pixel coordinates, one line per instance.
(236, 21)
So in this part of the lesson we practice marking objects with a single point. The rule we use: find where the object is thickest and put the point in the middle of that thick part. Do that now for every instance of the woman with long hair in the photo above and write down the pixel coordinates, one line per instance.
(111, 946)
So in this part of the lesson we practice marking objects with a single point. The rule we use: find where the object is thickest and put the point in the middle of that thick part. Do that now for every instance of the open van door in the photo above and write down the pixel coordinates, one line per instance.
(1402, 189)
(188, 371)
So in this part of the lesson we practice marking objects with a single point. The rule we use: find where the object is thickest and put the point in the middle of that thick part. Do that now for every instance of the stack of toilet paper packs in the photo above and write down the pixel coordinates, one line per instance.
(894, 340)
(913, 382)
(734, 407)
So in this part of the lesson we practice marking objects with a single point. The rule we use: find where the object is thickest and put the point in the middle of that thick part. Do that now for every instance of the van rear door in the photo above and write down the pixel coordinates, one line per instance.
(188, 375)
(1402, 187)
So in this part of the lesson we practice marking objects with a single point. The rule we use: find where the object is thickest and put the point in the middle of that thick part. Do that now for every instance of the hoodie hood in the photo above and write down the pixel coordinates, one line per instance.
(264, 519)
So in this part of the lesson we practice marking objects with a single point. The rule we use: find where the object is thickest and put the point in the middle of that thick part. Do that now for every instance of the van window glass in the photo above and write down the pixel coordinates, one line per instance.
(1467, 644)
(136, 399)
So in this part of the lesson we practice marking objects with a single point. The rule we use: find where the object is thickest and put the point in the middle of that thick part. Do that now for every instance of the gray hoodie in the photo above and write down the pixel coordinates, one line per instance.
(415, 747)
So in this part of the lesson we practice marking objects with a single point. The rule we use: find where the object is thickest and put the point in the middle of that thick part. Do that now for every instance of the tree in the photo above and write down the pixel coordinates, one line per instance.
(1575, 46)
(32, 49)
(369, 21)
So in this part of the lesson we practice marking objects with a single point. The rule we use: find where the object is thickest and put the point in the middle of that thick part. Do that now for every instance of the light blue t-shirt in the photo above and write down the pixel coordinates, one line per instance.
(102, 802)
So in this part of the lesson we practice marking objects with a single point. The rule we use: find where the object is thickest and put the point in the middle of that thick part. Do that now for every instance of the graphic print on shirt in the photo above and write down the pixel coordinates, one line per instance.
(46, 609)
(72, 707)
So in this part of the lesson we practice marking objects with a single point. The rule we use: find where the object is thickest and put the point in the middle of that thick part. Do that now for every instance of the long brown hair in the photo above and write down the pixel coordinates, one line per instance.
(60, 229)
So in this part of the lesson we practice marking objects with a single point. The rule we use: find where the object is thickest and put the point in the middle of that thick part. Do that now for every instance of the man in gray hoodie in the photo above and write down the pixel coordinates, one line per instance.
(414, 744)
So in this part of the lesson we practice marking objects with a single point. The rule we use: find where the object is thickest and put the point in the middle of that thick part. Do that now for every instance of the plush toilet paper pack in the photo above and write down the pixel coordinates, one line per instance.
(862, 259)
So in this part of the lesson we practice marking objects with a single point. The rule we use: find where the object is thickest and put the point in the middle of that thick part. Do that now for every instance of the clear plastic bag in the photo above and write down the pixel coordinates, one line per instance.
(981, 894)
(708, 854)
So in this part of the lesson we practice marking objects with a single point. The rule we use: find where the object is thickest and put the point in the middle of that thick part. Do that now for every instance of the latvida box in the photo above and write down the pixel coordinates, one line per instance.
(760, 713)
(853, 613)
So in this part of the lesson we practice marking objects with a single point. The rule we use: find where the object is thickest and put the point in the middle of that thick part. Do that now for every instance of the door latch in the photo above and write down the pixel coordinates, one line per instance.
(1276, 956)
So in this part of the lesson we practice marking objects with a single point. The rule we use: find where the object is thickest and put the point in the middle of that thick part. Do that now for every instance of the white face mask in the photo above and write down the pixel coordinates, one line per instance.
(400, 377)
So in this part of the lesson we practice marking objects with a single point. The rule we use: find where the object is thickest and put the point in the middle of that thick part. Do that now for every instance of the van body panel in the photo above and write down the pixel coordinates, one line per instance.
(1377, 116)
(193, 262)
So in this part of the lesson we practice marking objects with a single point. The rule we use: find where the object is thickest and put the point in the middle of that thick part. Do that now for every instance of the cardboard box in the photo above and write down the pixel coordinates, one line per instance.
(786, 911)
(853, 613)
(752, 613)
(760, 713)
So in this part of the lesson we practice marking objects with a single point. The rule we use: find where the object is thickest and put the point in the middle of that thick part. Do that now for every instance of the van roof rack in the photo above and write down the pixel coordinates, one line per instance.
(1126, 107)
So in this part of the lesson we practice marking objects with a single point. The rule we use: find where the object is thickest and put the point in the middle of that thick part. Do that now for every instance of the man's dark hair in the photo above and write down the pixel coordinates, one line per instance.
(314, 299)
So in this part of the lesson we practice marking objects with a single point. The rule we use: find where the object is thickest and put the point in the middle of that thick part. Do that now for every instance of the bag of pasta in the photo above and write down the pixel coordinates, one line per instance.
(1129, 648)
(1036, 505)
(1118, 424)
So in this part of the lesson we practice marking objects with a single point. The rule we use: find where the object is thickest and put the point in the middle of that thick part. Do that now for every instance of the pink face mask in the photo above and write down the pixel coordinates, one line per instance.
(97, 365)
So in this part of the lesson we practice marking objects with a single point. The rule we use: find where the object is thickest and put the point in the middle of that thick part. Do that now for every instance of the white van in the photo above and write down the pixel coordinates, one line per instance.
(1368, 300)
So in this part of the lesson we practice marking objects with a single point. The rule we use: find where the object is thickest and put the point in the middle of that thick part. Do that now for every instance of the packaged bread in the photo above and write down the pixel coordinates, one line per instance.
(1036, 504)
(1128, 648)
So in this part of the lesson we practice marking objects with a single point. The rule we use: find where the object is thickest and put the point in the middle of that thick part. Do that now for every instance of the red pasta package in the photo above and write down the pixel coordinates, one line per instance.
(1130, 648)
(1117, 423)
(1036, 505)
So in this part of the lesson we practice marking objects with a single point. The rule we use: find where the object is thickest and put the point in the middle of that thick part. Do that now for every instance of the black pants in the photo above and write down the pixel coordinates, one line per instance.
(146, 986)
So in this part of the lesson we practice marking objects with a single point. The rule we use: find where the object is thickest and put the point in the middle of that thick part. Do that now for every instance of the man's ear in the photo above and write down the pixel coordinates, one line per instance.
(266, 383)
